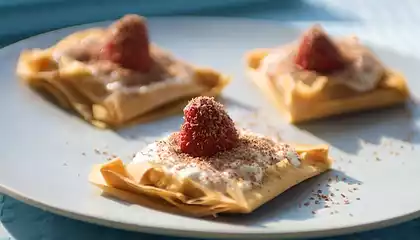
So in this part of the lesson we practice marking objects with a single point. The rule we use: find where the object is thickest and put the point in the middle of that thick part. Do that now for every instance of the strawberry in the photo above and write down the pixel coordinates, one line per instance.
(207, 128)
(127, 44)
(317, 52)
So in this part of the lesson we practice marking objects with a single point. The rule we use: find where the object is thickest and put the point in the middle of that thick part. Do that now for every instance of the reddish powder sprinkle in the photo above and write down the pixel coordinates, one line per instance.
(259, 152)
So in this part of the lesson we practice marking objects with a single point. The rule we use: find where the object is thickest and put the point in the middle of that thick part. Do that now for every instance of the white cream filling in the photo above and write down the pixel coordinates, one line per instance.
(150, 154)
(250, 173)
(114, 80)
(118, 86)
(367, 74)
(272, 62)
(293, 158)
(362, 75)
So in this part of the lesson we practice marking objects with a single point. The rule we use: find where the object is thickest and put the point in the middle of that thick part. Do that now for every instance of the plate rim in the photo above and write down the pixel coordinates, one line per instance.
(149, 229)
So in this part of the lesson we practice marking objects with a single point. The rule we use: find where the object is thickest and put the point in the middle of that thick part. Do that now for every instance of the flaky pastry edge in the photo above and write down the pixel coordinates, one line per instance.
(150, 186)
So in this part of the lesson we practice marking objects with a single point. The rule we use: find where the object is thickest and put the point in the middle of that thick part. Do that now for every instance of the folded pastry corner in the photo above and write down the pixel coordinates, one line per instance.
(317, 77)
(210, 167)
(114, 77)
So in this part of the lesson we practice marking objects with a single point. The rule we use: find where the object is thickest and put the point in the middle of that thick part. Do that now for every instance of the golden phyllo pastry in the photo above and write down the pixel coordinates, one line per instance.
(113, 77)
(210, 167)
(317, 77)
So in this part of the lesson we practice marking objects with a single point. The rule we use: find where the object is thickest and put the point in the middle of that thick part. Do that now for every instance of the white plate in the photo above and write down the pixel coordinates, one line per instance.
(46, 153)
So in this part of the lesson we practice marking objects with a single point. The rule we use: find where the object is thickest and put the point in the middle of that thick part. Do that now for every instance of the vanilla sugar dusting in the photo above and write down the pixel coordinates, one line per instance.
(247, 162)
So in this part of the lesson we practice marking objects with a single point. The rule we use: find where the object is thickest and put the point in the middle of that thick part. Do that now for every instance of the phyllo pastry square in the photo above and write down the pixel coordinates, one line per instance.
(114, 76)
(317, 77)
(210, 166)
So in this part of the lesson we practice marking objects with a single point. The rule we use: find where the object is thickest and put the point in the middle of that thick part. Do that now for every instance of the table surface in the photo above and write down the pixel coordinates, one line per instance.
(388, 23)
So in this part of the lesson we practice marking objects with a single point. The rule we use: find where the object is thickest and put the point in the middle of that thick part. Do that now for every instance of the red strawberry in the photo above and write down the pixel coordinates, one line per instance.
(207, 128)
(317, 52)
(127, 44)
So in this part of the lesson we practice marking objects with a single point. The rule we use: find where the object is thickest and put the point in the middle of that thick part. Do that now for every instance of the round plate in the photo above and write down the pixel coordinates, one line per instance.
(47, 153)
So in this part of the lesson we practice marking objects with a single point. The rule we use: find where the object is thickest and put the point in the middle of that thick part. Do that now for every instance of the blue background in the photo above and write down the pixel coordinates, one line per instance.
(23, 18)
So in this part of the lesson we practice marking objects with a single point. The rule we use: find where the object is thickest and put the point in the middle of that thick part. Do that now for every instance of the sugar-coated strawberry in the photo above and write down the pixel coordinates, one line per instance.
(317, 52)
(207, 128)
(127, 44)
